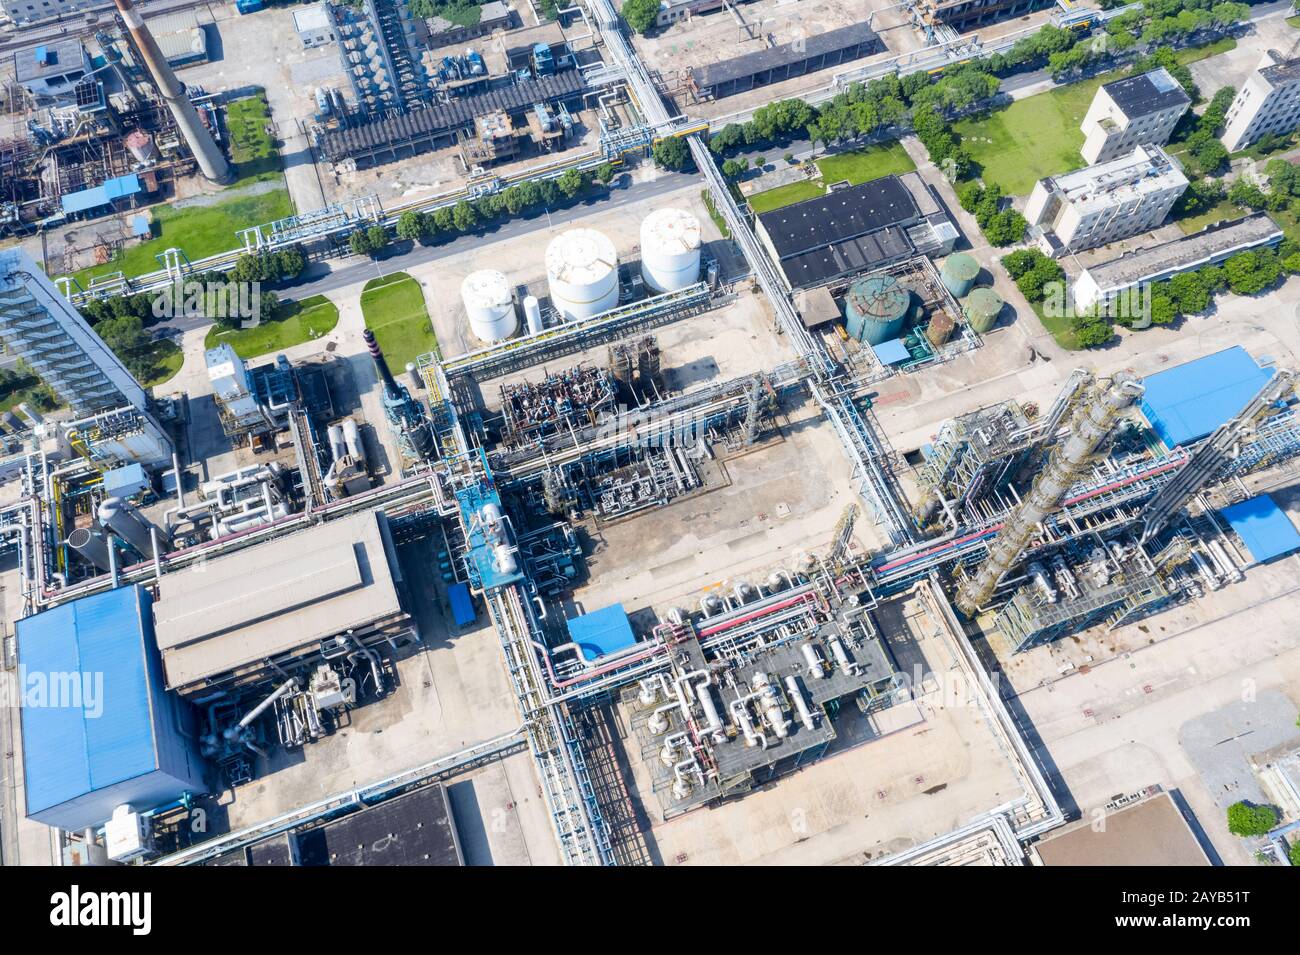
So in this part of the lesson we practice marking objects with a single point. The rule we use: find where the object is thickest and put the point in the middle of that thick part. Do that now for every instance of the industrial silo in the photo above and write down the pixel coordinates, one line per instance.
(582, 270)
(488, 304)
(876, 309)
(670, 250)
(981, 309)
(940, 328)
(533, 314)
(959, 273)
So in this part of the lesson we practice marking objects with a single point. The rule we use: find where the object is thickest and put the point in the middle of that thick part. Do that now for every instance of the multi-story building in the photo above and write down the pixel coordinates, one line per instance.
(1268, 103)
(40, 326)
(1104, 203)
(51, 72)
(30, 12)
(1135, 111)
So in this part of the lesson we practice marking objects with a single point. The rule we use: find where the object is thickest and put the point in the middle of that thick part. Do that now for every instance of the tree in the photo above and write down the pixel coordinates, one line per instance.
(1005, 228)
(735, 168)
(571, 182)
(1094, 334)
(463, 216)
(1189, 293)
(412, 225)
(377, 237)
(1245, 819)
(671, 153)
(1294, 852)
(605, 173)
(359, 242)
(640, 14)
(128, 340)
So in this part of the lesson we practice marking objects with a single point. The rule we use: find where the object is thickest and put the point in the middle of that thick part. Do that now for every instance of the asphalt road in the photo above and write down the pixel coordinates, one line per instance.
(321, 278)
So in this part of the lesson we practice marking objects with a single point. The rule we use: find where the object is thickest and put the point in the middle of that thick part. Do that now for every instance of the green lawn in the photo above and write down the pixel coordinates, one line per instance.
(1220, 211)
(1061, 328)
(1039, 135)
(167, 358)
(294, 323)
(199, 230)
(1294, 21)
(792, 192)
(714, 214)
(863, 165)
(394, 310)
(251, 148)
(856, 166)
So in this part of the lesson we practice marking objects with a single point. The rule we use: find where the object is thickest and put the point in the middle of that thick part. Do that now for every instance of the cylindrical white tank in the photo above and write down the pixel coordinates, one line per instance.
(352, 439)
(533, 314)
(582, 270)
(130, 525)
(338, 448)
(491, 311)
(670, 249)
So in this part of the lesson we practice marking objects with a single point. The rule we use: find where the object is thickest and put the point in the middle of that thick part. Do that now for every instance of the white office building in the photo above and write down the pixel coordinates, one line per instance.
(1135, 111)
(1105, 203)
(1268, 103)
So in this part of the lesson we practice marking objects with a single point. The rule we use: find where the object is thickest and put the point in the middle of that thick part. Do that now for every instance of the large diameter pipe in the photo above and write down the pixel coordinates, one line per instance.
(197, 137)
(1091, 423)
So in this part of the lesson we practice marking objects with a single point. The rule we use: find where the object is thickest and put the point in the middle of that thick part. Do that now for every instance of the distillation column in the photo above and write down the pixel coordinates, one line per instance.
(196, 135)
(1091, 423)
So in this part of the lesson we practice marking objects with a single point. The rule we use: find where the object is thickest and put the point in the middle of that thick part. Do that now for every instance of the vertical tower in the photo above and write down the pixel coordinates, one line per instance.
(196, 135)
(41, 327)
(1091, 423)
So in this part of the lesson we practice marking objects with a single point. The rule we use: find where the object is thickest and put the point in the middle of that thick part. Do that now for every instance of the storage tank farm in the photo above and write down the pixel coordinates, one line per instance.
(876, 309)
(489, 305)
(670, 250)
(582, 273)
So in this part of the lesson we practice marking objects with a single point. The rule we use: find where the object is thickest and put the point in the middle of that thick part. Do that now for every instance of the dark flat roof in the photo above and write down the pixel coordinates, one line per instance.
(409, 830)
(1147, 93)
(442, 118)
(853, 255)
(712, 74)
(1148, 833)
(839, 215)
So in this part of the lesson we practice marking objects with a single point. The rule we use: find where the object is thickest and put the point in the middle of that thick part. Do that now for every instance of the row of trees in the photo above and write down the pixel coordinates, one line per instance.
(465, 216)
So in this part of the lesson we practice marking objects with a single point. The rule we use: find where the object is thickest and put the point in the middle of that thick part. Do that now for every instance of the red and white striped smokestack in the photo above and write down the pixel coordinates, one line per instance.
(200, 141)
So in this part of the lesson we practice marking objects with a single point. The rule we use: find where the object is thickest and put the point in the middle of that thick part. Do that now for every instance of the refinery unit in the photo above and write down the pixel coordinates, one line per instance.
(259, 619)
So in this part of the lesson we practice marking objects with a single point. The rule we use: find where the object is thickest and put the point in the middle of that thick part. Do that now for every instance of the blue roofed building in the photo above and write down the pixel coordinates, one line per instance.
(1263, 527)
(1188, 402)
(103, 198)
(602, 633)
(98, 729)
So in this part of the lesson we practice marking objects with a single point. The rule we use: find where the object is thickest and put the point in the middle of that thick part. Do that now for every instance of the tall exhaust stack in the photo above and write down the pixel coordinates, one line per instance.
(200, 141)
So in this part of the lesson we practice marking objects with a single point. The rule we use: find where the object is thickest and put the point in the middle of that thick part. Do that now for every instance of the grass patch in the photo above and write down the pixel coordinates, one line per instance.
(1039, 135)
(1294, 22)
(251, 147)
(165, 360)
(1223, 210)
(792, 192)
(294, 323)
(199, 230)
(394, 310)
(863, 165)
(855, 166)
(716, 216)
(1061, 328)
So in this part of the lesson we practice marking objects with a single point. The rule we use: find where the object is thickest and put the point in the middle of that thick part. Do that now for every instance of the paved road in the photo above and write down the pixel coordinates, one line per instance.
(325, 277)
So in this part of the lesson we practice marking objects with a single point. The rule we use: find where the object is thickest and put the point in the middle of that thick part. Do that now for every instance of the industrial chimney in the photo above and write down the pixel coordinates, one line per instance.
(196, 135)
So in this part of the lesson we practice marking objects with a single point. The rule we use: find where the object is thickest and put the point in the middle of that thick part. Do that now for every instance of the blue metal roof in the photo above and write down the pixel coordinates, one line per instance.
(891, 352)
(462, 604)
(70, 750)
(602, 632)
(1188, 402)
(1264, 527)
(109, 192)
(98, 730)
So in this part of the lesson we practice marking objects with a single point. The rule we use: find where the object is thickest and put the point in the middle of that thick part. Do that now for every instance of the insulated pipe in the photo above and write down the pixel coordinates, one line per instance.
(197, 137)
(796, 694)
(258, 710)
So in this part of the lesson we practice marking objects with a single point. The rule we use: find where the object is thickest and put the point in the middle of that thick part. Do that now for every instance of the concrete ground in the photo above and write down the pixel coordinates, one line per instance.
(891, 783)
(1235, 66)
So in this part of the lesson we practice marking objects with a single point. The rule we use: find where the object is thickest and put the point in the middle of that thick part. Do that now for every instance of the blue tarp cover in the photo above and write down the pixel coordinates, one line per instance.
(1263, 526)
(891, 352)
(602, 632)
(1188, 402)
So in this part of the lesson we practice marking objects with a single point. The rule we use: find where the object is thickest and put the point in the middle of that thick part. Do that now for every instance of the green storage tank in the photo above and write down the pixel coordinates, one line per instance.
(876, 309)
(981, 309)
(959, 273)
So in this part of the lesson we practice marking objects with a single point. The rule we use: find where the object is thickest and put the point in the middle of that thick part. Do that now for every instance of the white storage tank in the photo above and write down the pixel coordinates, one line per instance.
(533, 314)
(582, 269)
(488, 304)
(670, 249)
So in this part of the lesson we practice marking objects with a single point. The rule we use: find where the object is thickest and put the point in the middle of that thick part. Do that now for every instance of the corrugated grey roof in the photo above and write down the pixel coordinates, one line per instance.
(819, 44)
(1147, 93)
